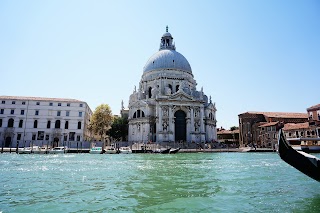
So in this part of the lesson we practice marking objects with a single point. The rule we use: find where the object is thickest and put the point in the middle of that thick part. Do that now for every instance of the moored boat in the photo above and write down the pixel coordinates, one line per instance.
(110, 150)
(174, 151)
(96, 150)
(305, 163)
(25, 150)
(58, 150)
(125, 150)
(39, 150)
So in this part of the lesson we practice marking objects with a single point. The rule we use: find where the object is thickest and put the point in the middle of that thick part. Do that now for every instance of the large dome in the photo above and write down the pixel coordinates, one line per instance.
(167, 59)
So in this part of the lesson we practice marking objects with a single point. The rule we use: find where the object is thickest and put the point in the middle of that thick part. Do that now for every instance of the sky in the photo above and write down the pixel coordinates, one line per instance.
(247, 55)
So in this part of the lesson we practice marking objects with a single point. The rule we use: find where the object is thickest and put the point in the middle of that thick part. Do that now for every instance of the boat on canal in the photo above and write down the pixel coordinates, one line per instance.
(58, 150)
(25, 150)
(125, 150)
(308, 145)
(304, 162)
(110, 150)
(96, 150)
(174, 151)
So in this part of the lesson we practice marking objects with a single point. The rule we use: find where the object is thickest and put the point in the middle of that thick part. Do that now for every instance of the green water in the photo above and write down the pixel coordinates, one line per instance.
(199, 182)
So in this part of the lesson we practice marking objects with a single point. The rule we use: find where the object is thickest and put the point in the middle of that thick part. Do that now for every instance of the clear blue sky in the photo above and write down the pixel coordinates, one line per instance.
(248, 55)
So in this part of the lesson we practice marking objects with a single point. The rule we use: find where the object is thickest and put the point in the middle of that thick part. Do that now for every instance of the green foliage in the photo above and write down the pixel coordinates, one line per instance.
(101, 120)
(233, 128)
(119, 129)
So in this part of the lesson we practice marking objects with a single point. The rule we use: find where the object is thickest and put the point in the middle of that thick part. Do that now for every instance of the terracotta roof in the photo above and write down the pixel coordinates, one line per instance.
(314, 107)
(38, 99)
(292, 126)
(269, 124)
(228, 131)
(280, 114)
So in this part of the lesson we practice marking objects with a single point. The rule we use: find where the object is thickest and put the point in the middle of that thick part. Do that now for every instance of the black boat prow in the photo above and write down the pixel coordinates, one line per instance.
(305, 163)
(174, 151)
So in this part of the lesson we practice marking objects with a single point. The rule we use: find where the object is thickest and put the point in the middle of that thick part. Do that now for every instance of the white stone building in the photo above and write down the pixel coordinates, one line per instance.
(40, 121)
(166, 106)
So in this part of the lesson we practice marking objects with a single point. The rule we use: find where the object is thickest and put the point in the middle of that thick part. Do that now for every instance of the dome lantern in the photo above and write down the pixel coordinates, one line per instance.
(166, 41)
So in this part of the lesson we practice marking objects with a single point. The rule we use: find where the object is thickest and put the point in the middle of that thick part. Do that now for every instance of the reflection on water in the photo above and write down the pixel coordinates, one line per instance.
(216, 182)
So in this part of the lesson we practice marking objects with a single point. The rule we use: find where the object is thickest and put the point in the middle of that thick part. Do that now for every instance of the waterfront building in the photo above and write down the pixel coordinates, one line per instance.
(250, 125)
(314, 119)
(228, 136)
(36, 120)
(298, 130)
(167, 106)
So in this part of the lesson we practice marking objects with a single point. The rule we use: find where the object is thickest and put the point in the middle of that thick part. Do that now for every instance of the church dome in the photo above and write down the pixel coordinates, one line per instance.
(167, 59)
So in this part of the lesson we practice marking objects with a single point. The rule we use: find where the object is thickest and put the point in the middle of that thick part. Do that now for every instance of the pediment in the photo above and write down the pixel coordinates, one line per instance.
(139, 104)
(180, 96)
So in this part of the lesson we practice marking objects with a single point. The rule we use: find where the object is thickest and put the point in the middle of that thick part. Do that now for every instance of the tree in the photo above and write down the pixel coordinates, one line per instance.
(119, 129)
(101, 120)
(233, 128)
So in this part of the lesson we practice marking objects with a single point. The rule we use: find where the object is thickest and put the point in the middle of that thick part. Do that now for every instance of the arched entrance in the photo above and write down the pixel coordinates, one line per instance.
(8, 142)
(180, 125)
(55, 142)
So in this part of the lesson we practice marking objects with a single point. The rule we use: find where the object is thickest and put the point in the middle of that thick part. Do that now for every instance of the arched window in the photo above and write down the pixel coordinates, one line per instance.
(79, 125)
(177, 88)
(170, 86)
(134, 114)
(48, 124)
(149, 92)
(66, 125)
(57, 124)
(35, 124)
(142, 113)
(10, 122)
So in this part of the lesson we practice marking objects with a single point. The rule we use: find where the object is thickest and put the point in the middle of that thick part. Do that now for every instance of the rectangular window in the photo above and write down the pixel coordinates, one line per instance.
(80, 114)
(47, 137)
(19, 136)
(20, 123)
(67, 113)
(12, 112)
(48, 124)
(71, 136)
(50, 104)
(3, 102)
(22, 112)
(0, 123)
(58, 113)
(37, 112)
(78, 137)
(59, 104)
(33, 137)
(68, 104)
(38, 103)
(13, 102)
(1, 111)
(23, 103)
(81, 105)
(40, 135)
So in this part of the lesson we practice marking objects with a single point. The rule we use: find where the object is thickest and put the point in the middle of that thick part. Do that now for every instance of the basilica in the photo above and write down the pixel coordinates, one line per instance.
(166, 106)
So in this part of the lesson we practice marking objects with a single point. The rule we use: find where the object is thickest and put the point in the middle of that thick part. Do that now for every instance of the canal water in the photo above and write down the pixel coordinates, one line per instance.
(198, 182)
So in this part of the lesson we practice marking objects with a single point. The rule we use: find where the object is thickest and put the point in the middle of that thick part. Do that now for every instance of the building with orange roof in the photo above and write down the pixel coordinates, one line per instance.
(250, 125)
(228, 136)
(314, 118)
